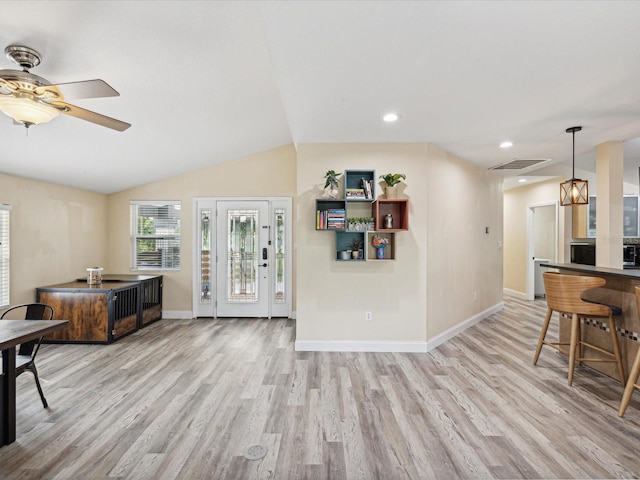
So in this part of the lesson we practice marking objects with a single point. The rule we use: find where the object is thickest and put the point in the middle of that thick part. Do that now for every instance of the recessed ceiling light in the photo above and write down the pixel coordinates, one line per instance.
(506, 144)
(522, 180)
(390, 117)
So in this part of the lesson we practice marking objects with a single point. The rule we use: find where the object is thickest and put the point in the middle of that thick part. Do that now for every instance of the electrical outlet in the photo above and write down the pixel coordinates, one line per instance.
(475, 295)
(368, 317)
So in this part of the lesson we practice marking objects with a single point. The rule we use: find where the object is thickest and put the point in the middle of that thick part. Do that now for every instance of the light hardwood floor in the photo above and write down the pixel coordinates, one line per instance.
(183, 399)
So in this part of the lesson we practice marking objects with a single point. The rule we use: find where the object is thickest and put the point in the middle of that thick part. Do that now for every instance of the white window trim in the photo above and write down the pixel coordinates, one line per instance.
(5, 255)
(134, 236)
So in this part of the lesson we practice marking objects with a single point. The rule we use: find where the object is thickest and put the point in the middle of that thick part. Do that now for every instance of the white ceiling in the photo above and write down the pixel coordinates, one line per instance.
(204, 82)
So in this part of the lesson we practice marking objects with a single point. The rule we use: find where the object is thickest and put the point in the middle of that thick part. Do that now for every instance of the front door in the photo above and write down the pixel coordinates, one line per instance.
(243, 258)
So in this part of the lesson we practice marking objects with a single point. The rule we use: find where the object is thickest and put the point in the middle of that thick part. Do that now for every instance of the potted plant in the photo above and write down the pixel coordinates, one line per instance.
(331, 183)
(356, 246)
(392, 180)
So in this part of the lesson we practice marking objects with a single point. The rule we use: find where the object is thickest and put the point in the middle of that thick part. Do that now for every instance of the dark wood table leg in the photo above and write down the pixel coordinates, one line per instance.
(8, 420)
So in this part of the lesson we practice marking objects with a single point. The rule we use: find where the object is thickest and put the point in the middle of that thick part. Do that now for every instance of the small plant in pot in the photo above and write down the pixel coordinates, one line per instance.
(392, 180)
(331, 183)
(356, 246)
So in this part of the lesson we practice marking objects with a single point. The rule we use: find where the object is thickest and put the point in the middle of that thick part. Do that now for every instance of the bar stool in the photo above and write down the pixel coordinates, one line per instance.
(563, 293)
(632, 381)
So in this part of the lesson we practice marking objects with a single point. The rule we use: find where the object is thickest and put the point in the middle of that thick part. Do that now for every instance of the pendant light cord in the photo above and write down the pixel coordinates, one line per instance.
(573, 131)
(573, 171)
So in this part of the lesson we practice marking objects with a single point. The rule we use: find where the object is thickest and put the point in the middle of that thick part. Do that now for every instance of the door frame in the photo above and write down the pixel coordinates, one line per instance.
(288, 204)
(530, 282)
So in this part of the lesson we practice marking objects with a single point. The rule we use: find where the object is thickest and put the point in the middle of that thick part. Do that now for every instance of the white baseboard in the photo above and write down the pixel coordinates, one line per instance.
(520, 295)
(401, 347)
(359, 346)
(459, 328)
(177, 314)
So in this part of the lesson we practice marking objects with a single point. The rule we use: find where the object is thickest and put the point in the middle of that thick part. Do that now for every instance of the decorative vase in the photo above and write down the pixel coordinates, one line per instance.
(354, 254)
(391, 192)
(332, 192)
(380, 253)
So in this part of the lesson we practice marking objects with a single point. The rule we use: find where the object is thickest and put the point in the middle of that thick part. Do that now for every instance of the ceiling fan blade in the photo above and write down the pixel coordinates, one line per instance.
(90, 116)
(77, 90)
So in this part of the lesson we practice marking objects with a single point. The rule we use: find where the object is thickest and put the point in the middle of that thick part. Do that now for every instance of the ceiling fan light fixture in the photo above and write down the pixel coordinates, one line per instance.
(26, 110)
(32, 100)
(574, 191)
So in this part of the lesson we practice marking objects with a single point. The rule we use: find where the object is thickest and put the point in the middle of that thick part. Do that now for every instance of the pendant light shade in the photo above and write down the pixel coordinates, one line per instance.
(574, 191)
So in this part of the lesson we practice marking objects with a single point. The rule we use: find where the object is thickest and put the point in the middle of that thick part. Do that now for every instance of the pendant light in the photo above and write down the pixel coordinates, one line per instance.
(574, 191)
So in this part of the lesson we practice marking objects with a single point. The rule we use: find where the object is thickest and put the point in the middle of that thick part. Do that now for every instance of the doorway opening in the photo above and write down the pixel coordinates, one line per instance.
(542, 244)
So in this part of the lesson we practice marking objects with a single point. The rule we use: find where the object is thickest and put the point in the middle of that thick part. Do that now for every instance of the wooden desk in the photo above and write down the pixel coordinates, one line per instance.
(12, 333)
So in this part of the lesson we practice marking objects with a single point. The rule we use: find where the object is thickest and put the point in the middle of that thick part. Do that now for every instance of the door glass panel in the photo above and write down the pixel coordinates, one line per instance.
(205, 255)
(242, 256)
(279, 277)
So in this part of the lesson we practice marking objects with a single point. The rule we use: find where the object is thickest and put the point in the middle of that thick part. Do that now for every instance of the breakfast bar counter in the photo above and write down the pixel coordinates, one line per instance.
(619, 291)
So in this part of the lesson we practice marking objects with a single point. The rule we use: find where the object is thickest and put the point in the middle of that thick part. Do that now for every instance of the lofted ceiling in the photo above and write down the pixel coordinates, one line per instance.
(204, 82)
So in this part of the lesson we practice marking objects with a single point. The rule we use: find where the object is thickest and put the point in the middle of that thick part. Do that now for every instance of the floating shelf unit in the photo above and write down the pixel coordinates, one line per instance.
(399, 210)
(360, 201)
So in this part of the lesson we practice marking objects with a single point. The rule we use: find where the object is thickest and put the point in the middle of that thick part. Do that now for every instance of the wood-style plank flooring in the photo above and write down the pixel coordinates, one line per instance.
(184, 399)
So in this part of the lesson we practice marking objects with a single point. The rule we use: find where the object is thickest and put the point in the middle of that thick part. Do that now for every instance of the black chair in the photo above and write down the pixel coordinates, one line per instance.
(26, 356)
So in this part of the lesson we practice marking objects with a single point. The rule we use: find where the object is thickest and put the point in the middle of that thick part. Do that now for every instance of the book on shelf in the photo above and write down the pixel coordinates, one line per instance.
(355, 193)
(367, 187)
(331, 219)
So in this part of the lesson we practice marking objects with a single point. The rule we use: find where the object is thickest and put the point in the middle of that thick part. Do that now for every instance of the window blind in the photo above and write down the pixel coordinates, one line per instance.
(155, 235)
(5, 255)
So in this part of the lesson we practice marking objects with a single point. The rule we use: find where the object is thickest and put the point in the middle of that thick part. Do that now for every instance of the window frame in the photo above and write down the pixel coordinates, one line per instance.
(5, 255)
(171, 262)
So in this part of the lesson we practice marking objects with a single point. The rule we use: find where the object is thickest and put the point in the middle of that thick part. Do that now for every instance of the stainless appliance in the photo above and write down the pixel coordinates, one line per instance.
(584, 253)
(629, 256)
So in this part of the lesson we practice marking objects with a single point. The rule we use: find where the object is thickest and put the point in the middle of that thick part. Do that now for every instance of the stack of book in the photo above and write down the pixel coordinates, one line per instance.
(352, 193)
(331, 219)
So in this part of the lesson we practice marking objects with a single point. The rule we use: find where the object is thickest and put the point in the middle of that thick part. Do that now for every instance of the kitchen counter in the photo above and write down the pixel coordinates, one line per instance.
(619, 291)
(591, 269)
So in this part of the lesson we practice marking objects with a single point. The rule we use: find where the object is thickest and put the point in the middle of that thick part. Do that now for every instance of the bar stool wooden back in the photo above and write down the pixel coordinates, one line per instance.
(632, 381)
(564, 295)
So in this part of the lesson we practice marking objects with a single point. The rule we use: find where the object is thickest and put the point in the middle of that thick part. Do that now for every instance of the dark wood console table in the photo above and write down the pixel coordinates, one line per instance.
(103, 313)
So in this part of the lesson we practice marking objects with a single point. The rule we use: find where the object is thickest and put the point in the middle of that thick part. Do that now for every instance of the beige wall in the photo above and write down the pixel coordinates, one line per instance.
(464, 264)
(440, 262)
(267, 174)
(56, 233)
(516, 203)
(447, 269)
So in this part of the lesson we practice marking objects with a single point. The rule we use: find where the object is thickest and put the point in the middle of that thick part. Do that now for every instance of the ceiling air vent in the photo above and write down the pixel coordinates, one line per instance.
(519, 164)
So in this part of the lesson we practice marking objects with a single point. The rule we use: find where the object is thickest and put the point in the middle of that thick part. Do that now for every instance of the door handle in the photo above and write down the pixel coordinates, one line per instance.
(263, 265)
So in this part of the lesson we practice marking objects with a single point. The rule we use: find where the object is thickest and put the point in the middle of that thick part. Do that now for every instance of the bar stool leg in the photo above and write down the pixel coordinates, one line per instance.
(616, 348)
(543, 334)
(631, 385)
(573, 344)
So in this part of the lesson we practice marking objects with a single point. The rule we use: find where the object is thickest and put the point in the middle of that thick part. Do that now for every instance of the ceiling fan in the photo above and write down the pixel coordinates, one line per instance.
(31, 100)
